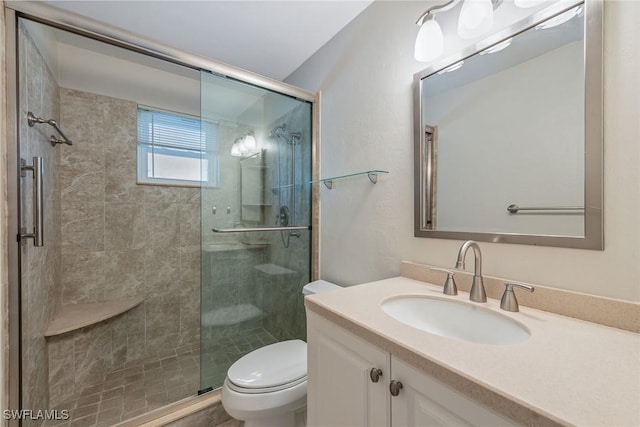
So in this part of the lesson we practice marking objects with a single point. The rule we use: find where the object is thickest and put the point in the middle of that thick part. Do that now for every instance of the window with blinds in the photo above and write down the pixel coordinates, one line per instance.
(175, 149)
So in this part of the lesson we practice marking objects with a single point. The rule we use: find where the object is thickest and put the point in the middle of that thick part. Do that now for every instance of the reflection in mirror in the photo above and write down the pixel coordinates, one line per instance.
(501, 149)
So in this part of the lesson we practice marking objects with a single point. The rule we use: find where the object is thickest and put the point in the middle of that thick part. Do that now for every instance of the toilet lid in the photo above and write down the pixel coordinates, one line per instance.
(270, 366)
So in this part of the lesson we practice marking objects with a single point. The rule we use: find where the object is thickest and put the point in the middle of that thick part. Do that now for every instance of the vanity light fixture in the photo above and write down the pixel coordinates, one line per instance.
(560, 19)
(250, 142)
(430, 41)
(245, 146)
(235, 148)
(476, 19)
(497, 47)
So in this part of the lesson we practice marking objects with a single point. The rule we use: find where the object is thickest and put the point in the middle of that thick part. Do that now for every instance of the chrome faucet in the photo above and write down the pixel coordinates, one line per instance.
(509, 301)
(477, 292)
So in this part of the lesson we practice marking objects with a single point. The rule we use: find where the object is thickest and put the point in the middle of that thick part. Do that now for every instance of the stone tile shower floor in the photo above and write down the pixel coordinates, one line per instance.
(218, 356)
(135, 390)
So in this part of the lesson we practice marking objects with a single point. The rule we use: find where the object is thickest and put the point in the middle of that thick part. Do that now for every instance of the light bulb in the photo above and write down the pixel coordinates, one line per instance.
(242, 146)
(235, 149)
(476, 18)
(430, 42)
(528, 3)
(250, 143)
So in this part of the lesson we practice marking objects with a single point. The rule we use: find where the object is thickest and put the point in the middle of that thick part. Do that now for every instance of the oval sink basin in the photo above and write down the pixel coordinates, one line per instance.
(456, 320)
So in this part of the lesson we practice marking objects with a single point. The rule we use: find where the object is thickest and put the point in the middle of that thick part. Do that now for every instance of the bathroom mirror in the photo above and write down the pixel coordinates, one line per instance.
(508, 135)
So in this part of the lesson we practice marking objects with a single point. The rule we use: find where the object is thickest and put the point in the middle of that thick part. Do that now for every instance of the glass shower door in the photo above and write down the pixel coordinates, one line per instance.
(256, 213)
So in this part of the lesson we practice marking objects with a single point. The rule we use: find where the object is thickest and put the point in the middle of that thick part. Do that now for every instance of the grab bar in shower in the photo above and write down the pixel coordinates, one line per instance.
(32, 119)
(249, 230)
(515, 208)
(37, 168)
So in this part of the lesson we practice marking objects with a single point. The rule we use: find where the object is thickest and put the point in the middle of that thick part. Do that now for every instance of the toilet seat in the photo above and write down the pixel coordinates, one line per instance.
(271, 368)
(294, 383)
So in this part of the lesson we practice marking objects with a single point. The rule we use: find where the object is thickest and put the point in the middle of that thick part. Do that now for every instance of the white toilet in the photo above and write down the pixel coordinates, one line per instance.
(268, 387)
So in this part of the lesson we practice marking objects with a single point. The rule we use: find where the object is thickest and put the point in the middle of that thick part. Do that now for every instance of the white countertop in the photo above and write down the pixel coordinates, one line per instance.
(569, 370)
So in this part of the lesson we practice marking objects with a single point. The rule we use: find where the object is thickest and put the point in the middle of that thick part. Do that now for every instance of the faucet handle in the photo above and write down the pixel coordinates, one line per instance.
(449, 287)
(509, 301)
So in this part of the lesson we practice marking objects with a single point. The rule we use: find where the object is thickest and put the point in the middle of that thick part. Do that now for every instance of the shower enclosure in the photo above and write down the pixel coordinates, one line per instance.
(169, 201)
(256, 218)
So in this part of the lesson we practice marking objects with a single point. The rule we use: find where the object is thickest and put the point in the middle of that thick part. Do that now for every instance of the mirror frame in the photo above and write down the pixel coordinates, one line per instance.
(594, 137)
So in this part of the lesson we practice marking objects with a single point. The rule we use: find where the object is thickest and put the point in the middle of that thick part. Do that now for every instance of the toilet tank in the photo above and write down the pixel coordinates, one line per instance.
(319, 286)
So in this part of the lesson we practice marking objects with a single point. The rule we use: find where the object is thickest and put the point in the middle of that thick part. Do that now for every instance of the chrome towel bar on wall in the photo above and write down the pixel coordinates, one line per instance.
(32, 119)
(248, 230)
(513, 209)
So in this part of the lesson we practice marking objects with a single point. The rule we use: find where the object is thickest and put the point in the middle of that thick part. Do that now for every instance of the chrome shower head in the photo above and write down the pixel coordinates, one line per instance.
(278, 131)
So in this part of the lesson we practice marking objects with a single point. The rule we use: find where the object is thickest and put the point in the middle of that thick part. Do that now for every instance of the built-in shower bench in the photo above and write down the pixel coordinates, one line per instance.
(71, 317)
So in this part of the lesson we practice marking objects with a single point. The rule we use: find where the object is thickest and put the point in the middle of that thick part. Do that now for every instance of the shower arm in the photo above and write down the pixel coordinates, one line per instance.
(32, 119)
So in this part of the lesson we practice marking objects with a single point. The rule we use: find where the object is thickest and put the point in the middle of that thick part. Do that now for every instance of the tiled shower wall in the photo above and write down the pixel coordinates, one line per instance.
(41, 290)
(284, 290)
(121, 239)
(226, 196)
(265, 274)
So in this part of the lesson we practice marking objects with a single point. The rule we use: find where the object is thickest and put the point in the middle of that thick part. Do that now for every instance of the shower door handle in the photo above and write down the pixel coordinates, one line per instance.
(247, 230)
(38, 201)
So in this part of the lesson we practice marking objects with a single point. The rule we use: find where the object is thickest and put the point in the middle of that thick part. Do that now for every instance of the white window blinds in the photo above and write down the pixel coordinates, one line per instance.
(176, 149)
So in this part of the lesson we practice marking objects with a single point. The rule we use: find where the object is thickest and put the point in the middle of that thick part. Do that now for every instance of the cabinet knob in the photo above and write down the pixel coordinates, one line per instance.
(395, 387)
(375, 374)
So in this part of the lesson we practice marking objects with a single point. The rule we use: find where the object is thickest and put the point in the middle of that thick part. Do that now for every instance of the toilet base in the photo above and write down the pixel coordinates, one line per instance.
(290, 419)
(281, 408)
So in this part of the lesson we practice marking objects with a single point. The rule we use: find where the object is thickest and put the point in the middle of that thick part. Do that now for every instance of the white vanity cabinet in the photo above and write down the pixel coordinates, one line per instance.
(341, 392)
(424, 401)
(340, 388)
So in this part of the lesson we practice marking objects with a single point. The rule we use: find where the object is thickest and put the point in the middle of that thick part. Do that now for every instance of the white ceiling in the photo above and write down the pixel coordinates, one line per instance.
(271, 38)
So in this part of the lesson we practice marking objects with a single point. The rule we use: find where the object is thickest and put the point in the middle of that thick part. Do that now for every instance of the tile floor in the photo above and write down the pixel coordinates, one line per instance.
(220, 351)
(137, 389)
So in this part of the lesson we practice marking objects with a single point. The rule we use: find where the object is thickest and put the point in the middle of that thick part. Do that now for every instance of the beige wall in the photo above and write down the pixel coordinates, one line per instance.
(365, 75)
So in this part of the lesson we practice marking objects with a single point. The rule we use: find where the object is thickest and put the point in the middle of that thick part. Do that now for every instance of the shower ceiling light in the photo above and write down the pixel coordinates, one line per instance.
(476, 19)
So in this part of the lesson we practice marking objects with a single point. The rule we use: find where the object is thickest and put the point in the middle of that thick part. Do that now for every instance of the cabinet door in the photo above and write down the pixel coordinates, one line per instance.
(340, 391)
(424, 401)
